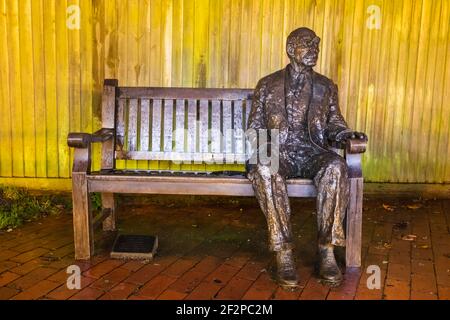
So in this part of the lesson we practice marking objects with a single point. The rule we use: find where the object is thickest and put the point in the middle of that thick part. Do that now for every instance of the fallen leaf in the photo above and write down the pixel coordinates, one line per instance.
(414, 206)
(388, 207)
(383, 245)
(424, 247)
(409, 237)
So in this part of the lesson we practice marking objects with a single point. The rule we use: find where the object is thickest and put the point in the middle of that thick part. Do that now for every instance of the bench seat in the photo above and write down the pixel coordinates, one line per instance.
(186, 183)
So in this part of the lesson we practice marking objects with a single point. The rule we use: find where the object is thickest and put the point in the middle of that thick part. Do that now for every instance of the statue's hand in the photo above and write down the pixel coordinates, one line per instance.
(345, 136)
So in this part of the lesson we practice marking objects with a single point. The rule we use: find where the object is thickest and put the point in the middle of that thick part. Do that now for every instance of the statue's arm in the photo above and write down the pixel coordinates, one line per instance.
(256, 121)
(257, 118)
(336, 126)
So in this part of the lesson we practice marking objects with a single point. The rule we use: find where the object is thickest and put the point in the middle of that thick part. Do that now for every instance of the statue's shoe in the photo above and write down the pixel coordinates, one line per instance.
(328, 270)
(283, 271)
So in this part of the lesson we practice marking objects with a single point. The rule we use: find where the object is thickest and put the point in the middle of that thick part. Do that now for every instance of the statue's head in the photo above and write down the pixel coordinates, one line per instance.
(302, 47)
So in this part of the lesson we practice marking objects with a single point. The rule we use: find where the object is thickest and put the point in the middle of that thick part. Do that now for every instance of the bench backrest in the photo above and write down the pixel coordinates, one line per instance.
(178, 124)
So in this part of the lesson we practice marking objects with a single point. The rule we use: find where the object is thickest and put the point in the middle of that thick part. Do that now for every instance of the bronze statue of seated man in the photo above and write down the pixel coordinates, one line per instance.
(303, 106)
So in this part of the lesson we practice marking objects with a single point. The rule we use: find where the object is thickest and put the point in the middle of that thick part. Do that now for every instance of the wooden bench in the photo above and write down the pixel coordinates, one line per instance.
(139, 124)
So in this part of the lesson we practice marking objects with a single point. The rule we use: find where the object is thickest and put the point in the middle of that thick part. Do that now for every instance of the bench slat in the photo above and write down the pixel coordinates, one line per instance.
(227, 127)
(168, 125)
(215, 127)
(132, 125)
(145, 125)
(184, 93)
(180, 128)
(192, 126)
(248, 108)
(238, 132)
(204, 125)
(239, 186)
(239, 179)
(156, 125)
(120, 126)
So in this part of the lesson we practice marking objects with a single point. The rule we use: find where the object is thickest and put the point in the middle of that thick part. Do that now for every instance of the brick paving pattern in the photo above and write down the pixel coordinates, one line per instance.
(216, 249)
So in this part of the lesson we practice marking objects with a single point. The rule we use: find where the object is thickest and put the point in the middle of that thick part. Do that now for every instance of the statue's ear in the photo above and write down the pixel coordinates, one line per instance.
(290, 50)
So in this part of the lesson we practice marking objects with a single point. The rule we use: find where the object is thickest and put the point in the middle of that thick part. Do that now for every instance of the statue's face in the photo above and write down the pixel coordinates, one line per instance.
(306, 51)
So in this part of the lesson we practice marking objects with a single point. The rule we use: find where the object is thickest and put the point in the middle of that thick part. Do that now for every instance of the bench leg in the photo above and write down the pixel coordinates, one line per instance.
(82, 218)
(354, 224)
(108, 202)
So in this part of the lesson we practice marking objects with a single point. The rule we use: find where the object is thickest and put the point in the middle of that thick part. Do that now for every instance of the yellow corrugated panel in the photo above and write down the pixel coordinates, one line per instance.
(38, 75)
(5, 94)
(51, 92)
(394, 81)
(15, 89)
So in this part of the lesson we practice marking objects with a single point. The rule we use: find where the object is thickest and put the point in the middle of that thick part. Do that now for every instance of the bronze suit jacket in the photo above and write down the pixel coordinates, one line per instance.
(325, 121)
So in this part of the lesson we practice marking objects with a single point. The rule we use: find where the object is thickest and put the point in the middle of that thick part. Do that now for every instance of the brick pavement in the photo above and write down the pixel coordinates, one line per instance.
(216, 249)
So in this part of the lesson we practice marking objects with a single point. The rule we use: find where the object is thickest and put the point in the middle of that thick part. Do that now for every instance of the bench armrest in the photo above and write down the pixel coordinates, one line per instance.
(83, 140)
(82, 144)
(355, 146)
(103, 135)
(352, 146)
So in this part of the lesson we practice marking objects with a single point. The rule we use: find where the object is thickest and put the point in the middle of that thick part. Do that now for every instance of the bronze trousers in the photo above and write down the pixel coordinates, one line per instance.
(330, 175)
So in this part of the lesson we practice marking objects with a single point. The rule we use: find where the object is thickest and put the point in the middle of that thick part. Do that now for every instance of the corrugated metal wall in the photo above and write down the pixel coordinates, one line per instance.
(394, 81)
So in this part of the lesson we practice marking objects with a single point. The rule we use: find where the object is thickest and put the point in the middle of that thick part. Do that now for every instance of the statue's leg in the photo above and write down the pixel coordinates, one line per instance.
(332, 186)
(330, 175)
(271, 192)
